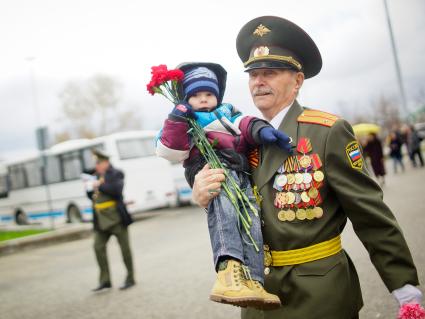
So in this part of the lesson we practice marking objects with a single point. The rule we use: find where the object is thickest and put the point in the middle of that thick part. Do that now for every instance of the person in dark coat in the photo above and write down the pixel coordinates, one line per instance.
(395, 143)
(373, 150)
(413, 142)
(110, 217)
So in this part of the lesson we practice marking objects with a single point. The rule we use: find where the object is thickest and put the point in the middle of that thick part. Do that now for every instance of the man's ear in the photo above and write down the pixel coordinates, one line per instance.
(299, 78)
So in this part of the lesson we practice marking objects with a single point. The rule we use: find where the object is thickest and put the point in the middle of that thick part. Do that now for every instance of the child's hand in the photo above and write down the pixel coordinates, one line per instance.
(183, 110)
(269, 135)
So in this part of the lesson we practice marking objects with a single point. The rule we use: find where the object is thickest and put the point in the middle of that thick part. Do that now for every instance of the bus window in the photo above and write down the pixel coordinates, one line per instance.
(33, 173)
(135, 148)
(71, 163)
(53, 171)
(3, 186)
(17, 177)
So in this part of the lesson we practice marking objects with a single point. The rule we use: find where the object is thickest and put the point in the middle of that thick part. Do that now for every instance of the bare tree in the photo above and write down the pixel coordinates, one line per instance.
(352, 112)
(94, 107)
(386, 112)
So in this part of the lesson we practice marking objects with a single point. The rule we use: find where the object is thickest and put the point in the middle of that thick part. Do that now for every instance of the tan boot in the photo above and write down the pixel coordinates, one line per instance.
(270, 301)
(231, 287)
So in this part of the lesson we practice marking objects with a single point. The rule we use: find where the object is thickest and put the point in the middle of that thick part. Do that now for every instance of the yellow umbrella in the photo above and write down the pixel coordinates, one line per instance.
(363, 129)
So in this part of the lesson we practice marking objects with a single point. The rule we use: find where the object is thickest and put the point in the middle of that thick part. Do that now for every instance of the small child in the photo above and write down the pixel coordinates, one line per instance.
(239, 266)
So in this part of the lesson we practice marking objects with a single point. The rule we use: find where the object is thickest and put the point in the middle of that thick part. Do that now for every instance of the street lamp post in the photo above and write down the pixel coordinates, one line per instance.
(396, 62)
(41, 136)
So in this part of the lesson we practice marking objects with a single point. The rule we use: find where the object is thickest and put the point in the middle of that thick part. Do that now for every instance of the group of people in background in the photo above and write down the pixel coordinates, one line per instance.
(373, 149)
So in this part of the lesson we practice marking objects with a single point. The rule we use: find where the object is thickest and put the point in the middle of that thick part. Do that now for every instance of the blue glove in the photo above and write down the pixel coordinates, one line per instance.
(269, 135)
(183, 110)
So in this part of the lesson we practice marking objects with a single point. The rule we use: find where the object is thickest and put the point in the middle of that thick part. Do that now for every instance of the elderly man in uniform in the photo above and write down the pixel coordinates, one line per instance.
(307, 196)
(110, 217)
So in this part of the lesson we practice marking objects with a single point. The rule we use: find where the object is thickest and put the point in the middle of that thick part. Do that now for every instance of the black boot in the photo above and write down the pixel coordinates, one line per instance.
(105, 285)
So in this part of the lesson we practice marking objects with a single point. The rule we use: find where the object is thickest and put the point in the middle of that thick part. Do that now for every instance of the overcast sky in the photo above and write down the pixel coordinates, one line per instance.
(73, 40)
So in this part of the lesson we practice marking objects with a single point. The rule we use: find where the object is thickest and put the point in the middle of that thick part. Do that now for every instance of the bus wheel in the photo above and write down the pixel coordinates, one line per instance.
(21, 218)
(74, 215)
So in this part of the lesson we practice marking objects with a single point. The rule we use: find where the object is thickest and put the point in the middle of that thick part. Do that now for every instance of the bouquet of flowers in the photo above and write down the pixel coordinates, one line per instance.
(165, 82)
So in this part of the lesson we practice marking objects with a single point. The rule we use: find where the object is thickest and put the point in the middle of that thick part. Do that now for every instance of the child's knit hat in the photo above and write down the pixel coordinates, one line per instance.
(200, 79)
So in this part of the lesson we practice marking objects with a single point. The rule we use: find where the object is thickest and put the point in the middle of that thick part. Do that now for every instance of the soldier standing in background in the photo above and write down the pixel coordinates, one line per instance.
(110, 217)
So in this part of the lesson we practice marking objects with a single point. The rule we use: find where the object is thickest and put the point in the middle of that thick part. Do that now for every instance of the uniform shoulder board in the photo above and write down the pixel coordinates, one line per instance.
(317, 117)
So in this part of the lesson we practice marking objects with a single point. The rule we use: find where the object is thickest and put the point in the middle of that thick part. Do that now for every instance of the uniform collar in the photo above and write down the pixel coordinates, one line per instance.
(275, 122)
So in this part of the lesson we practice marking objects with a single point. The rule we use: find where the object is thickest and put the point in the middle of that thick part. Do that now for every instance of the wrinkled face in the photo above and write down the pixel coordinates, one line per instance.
(272, 89)
(101, 166)
(203, 101)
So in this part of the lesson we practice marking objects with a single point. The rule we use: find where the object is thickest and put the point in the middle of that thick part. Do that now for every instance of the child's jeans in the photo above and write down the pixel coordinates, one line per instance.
(227, 234)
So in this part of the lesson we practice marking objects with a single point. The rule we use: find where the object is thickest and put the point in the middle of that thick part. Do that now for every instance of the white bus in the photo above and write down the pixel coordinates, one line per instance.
(149, 180)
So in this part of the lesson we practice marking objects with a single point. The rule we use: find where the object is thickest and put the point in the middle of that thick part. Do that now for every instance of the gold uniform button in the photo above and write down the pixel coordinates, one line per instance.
(266, 271)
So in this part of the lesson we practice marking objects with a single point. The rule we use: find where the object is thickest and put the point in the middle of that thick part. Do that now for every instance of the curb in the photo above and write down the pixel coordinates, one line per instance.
(44, 239)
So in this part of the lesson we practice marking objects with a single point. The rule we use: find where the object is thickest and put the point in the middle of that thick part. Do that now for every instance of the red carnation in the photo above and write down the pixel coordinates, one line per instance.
(164, 82)
(175, 75)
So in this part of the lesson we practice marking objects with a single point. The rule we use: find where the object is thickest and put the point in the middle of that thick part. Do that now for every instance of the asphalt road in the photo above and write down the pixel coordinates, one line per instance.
(174, 268)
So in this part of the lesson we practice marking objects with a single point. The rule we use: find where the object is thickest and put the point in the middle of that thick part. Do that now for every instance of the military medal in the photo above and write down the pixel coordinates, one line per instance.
(318, 176)
(281, 216)
(304, 145)
(304, 197)
(318, 212)
(316, 162)
(301, 214)
(310, 214)
(307, 178)
(281, 180)
(290, 215)
(305, 161)
(297, 198)
(298, 178)
(313, 192)
(290, 198)
(291, 179)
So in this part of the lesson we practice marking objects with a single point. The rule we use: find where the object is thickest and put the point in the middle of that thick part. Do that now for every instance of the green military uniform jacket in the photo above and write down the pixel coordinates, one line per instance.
(328, 288)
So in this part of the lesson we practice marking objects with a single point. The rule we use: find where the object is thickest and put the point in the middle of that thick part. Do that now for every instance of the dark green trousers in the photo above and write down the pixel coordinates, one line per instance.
(101, 238)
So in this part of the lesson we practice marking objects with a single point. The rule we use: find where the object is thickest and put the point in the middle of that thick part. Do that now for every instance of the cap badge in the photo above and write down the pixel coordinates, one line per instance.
(261, 30)
(261, 51)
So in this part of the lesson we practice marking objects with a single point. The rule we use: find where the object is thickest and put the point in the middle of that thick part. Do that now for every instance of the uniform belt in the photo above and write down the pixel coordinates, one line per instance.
(104, 205)
(302, 255)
